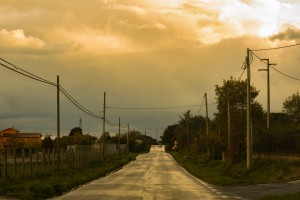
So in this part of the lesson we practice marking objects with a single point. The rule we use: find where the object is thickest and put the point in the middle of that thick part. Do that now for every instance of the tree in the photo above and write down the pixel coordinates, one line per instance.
(233, 93)
(169, 136)
(186, 132)
(75, 130)
(291, 106)
(47, 143)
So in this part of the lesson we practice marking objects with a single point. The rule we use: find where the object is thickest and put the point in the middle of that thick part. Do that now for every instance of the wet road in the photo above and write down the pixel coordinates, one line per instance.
(152, 176)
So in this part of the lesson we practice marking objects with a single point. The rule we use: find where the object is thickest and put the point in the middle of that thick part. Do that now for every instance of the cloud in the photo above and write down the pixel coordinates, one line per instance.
(148, 53)
(16, 41)
(287, 35)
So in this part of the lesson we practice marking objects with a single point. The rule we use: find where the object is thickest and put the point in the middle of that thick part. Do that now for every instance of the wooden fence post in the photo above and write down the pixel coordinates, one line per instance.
(15, 162)
(37, 160)
(5, 164)
(44, 159)
(30, 162)
(48, 160)
(23, 162)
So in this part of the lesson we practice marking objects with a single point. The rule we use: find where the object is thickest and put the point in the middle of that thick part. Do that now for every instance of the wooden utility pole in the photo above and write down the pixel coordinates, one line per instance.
(207, 131)
(58, 124)
(249, 132)
(103, 133)
(127, 146)
(119, 135)
(187, 131)
(229, 125)
(268, 96)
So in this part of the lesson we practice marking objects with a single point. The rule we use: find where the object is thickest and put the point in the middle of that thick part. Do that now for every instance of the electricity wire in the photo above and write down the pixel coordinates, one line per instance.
(37, 78)
(284, 74)
(275, 48)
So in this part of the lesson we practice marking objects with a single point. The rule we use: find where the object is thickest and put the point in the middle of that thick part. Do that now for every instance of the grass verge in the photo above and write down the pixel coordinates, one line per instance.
(44, 186)
(289, 196)
(223, 173)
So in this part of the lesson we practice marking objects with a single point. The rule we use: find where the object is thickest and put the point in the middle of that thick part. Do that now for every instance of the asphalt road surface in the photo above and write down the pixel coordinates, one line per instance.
(154, 175)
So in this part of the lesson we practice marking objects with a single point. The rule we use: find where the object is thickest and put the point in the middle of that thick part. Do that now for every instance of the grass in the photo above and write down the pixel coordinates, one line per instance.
(223, 173)
(43, 186)
(289, 196)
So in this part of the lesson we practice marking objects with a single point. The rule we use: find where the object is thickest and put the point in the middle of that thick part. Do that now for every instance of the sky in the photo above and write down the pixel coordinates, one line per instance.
(143, 54)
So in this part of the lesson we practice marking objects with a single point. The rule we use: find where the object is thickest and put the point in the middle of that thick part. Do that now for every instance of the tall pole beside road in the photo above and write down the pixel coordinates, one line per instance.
(103, 133)
(119, 142)
(268, 86)
(228, 122)
(249, 132)
(58, 124)
(207, 131)
(127, 146)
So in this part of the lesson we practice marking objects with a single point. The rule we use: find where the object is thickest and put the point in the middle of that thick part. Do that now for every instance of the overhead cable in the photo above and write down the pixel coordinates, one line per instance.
(274, 48)
(37, 78)
(154, 108)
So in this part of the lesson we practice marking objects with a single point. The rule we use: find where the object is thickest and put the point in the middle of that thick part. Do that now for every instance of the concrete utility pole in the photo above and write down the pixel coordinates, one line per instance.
(58, 124)
(249, 132)
(207, 130)
(268, 86)
(103, 133)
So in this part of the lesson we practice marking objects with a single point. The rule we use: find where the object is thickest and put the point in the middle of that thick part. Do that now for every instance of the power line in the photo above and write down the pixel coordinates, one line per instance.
(151, 108)
(28, 76)
(275, 48)
(37, 78)
(242, 73)
(201, 105)
(26, 73)
(285, 74)
(78, 105)
(289, 76)
(155, 108)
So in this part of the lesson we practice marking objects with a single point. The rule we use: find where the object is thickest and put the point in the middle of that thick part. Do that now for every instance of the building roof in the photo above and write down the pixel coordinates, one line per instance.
(10, 131)
(30, 135)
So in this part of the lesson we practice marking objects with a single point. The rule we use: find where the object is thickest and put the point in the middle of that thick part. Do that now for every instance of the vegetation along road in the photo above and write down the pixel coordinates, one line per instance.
(156, 175)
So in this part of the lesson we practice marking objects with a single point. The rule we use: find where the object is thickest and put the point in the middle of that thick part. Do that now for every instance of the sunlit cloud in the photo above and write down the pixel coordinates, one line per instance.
(18, 39)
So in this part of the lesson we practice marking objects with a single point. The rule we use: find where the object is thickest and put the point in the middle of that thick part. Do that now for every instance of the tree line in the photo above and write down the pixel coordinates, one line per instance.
(137, 141)
(227, 129)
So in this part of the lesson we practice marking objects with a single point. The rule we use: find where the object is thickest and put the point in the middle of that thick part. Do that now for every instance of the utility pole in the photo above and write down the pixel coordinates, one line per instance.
(127, 146)
(156, 136)
(268, 86)
(229, 121)
(187, 132)
(58, 124)
(249, 132)
(103, 134)
(80, 123)
(119, 135)
(207, 134)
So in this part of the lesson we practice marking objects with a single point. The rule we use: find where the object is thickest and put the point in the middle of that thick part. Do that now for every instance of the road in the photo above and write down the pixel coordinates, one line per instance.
(154, 175)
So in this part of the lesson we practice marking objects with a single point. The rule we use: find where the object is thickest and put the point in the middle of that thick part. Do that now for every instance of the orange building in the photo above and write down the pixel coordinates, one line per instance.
(13, 138)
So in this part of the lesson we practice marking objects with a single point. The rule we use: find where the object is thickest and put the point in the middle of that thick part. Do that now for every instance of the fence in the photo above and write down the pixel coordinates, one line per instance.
(27, 162)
